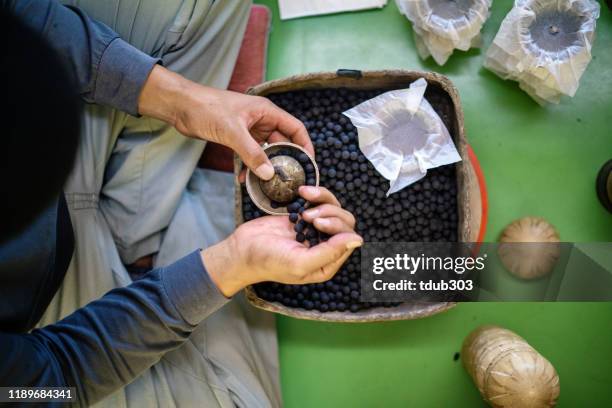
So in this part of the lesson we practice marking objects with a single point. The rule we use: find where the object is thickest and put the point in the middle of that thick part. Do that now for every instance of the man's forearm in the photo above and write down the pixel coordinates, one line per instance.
(162, 94)
(108, 343)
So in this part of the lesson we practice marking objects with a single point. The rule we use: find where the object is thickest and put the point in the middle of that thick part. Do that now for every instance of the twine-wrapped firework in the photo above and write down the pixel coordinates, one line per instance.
(508, 371)
(441, 26)
(545, 45)
(529, 247)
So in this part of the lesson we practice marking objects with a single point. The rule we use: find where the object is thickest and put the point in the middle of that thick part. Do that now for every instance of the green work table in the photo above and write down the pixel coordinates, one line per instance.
(539, 161)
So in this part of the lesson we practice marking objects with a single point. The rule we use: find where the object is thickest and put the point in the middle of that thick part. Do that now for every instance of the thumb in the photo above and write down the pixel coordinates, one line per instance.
(331, 250)
(253, 156)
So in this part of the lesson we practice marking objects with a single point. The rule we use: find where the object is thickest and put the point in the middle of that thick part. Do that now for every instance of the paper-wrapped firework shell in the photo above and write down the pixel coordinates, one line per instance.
(441, 26)
(529, 247)
(402, 135)
(545, 45)
(508, 371)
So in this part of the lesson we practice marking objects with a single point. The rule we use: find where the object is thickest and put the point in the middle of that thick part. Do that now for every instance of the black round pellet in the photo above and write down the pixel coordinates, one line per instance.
(303, 158)
(293, 207)
(310, 233)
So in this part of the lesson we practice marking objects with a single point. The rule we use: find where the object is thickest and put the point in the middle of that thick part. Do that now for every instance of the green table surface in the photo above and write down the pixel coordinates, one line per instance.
(536, 161)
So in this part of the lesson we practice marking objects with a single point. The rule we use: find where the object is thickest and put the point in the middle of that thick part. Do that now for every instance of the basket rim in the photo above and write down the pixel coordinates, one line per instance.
(395, 313)
(443, 80)
(296, 82)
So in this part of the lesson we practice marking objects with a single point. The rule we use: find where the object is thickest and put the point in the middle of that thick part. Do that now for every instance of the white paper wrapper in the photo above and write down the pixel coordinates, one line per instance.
(402, 136)
(545, 45)
(302, 8)
(441, 26)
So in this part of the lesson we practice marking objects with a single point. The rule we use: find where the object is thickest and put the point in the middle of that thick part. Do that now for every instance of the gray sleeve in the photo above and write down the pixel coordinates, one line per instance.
(108, 343)
(107, 70)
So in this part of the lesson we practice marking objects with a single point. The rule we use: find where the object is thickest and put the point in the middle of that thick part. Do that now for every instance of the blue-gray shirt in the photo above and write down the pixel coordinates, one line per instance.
(108, 343)
(108, 70)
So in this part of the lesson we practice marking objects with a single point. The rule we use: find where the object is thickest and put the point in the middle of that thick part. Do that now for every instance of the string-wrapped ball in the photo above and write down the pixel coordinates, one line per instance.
(529, 247)
(289, 175)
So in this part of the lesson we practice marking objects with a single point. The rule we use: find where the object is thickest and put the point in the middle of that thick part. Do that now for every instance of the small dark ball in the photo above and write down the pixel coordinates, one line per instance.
(293, 207)
(304, 159)
(299, 227)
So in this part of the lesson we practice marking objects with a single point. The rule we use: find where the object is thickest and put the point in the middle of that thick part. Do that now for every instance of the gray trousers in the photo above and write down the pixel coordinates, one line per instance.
(135, 190)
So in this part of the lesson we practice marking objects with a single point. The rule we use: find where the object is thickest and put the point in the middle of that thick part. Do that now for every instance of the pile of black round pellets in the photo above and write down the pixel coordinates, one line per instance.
(425, 211)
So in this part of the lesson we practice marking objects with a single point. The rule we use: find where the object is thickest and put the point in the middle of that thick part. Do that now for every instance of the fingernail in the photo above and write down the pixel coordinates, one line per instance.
(322, 222)
(354, 244)
(312, 191)
(312, 213)
(265, 171)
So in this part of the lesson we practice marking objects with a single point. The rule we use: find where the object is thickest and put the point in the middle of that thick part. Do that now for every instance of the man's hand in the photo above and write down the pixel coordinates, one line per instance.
(265, 249)
(238, 121)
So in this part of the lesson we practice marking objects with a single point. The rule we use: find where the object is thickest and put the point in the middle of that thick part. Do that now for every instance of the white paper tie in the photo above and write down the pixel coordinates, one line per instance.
(402, 136)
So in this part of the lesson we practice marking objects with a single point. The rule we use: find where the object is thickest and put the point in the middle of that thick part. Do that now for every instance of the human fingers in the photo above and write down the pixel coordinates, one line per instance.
(252, 154)
(290, 126)
(332, 225)
(318, 195)
(329, 211)
(276, 137)
(329, 251)
(328, 271)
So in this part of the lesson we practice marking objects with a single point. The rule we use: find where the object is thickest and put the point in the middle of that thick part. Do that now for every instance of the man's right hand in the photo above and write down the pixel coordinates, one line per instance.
(265, 249)
(240, 122)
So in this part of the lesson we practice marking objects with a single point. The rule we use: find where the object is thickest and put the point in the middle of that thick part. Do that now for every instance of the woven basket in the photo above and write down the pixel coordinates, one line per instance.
(445, 99)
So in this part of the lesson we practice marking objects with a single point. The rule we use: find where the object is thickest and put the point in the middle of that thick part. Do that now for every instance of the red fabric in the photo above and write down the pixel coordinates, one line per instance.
(250, 67)
(483, 193)
(250, 70)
